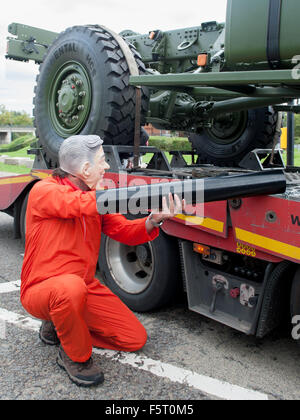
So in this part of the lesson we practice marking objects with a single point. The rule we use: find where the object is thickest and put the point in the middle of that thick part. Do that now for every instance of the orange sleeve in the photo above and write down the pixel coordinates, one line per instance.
(128, 232)
(48, 200)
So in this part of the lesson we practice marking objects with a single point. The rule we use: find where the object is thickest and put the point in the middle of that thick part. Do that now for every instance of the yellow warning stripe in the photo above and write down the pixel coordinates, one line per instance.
(203, 221)
(16, 180)
(268, 243)
(41, 175)
(24, 179)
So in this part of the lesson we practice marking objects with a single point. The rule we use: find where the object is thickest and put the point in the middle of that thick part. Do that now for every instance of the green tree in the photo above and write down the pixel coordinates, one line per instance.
(15, 118)
(297, 125)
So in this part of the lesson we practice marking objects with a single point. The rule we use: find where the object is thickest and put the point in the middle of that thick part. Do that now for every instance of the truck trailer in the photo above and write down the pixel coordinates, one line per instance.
(226, 86)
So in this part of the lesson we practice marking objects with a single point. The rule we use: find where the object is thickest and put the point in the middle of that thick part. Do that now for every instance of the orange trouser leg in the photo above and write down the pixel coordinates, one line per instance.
(62, 299)
(84, 316)
(112, 325)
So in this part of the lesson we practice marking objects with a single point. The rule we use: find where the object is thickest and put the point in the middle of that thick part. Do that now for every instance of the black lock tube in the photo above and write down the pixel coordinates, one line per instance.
(142, 198)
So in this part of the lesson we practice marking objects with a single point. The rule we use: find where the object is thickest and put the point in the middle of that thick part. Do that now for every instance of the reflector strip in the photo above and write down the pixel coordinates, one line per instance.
(268, 243)
(16, 180)
(22, 179)
(41, 175)
(203, 221)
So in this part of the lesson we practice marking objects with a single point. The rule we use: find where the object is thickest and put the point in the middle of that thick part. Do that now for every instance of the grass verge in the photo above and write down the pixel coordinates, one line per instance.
(14, 169)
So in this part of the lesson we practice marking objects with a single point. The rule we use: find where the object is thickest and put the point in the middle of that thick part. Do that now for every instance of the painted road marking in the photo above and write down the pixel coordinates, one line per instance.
(2, 330)
(203, 383)
(19, 320)
(11, 286)
(215, 387)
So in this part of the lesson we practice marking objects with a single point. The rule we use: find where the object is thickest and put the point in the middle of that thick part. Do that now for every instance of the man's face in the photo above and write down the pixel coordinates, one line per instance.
(94, 172)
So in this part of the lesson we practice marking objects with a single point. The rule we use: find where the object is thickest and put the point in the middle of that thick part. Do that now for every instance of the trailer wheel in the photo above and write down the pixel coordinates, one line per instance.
(83, 88)
(23, 218)
(145, 277)
(233, 135)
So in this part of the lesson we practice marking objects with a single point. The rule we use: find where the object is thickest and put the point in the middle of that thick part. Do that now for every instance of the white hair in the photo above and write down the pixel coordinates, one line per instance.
(76, 150)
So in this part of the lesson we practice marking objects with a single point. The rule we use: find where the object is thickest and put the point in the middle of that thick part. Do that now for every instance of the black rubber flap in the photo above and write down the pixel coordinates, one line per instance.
(273, 47)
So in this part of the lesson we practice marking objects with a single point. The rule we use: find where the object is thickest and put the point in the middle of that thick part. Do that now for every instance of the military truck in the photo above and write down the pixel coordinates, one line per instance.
(216, 82)
(225, 85)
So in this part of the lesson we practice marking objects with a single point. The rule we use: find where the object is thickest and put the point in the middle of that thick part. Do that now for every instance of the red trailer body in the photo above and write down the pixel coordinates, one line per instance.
(237, 245)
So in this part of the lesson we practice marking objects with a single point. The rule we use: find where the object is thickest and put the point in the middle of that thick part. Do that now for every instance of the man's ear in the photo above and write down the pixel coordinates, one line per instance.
(86, 169)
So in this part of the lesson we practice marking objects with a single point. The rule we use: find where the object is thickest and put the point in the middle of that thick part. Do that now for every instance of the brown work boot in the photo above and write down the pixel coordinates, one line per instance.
(82, 374)
(48, 333)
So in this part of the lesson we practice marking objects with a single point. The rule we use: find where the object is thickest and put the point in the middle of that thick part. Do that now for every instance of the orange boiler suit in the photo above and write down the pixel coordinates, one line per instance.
(63, 231)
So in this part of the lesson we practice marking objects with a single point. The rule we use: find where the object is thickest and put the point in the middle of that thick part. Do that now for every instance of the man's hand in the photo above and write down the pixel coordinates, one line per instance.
(168, 211)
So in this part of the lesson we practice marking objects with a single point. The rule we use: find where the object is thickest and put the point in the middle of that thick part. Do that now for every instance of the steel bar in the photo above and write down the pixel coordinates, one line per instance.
(237, 78)
(204, 92)
(240, 104)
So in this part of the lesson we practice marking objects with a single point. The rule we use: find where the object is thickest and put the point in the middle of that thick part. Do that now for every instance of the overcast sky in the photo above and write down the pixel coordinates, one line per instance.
(17, 79)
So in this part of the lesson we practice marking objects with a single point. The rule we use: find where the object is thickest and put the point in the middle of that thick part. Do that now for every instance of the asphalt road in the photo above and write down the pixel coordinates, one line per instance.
(187, 357)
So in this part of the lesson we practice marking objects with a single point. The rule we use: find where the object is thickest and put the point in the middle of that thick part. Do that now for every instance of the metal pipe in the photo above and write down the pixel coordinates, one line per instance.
(235, 78)
(142, 198)
(202, 93)
(240, 104)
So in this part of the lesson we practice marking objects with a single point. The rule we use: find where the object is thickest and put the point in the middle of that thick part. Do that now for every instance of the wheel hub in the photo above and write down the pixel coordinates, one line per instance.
(67, 98)
(130, 267)
(71, 94)
(227, 128)
(142, 253)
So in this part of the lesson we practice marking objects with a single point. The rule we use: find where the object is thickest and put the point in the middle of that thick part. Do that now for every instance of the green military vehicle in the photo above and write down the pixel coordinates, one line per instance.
(220, 83)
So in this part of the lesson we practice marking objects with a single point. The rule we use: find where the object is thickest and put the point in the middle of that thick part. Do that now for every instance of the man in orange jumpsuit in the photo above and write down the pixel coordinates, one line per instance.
(58, 286)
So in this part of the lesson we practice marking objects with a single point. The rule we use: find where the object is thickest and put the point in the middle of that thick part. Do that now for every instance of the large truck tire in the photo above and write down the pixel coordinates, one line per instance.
(23, 217)
(145, 277)
(232, 136)
(83, 88)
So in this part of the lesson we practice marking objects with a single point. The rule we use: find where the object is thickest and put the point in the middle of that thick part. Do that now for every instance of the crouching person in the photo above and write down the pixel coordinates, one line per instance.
(63, 230)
